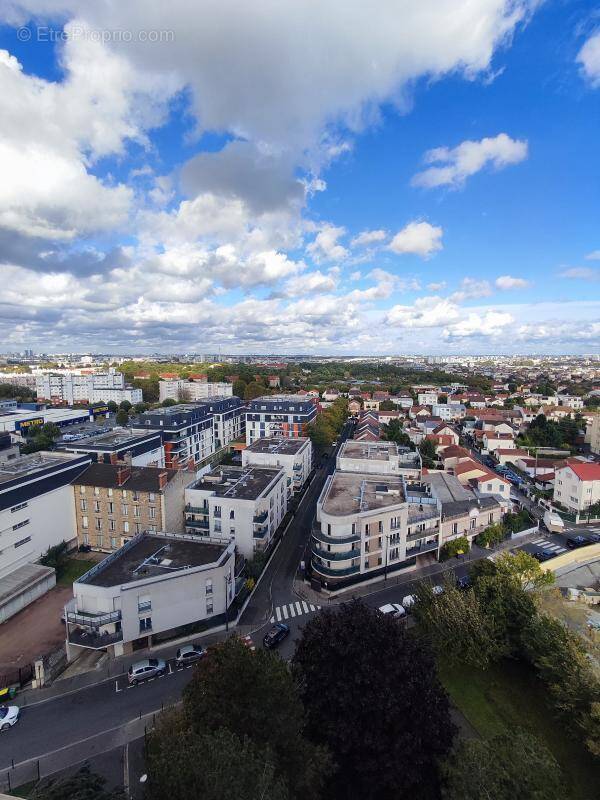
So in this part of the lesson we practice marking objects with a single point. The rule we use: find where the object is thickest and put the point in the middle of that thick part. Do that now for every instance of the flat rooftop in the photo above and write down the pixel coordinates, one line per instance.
(34, 462)
(111, 439)
(447, 487)
(152, 555)
(352, 493)
(273, 444)
(241, 483)
(371, 451)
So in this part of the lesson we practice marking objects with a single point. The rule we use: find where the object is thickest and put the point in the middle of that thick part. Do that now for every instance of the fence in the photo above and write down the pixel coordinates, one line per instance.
(17, 677)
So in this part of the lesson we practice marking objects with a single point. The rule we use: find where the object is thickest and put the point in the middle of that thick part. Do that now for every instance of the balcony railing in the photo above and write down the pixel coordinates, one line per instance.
(260, 531)
(325, 539)
(260, 518)
(93, 639)
(93, 620)
(196, 509)
(196, 523)
(424, 548)
(330, 555)
(413, 537)
(334, 573)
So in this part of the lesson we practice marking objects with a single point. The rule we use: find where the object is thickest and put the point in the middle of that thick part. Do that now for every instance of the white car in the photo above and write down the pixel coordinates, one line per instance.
(189, 653)
(395, 610)
(438, 589)
(9, 715)
(408, 601)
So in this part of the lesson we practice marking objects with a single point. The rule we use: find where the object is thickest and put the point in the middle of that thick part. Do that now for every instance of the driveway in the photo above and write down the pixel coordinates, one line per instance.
(34, 631)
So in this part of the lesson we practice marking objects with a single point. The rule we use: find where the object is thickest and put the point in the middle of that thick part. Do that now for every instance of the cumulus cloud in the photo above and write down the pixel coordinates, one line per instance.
(491, 323)
(436, 286)
(581, 273)
(471, 288)
(452, 166)
(311, 282)
(326, 247)
(426, 312)
(419, 238)
(368, 237)
(593, 256)
(508, 282)
(589, 59)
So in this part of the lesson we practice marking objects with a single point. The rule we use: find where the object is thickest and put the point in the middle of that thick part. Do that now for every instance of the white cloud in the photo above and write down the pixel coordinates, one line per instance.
(581, 273)
(471, 288)
(491, 323)
(455, 165)
(426, 312)
(508, 282)
(310, 283)
(368, 237)
(326, 247)
(419, 238)
(593, 256)
(589, 58)
(436, 286)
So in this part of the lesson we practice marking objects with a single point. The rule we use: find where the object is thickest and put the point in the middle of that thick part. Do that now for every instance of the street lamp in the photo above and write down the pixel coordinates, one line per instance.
(227, 585)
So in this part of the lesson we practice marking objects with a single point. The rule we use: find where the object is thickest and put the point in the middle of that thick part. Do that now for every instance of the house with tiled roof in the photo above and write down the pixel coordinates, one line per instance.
(492, 441)
(577, 484)
(506, 454)
(482, 479)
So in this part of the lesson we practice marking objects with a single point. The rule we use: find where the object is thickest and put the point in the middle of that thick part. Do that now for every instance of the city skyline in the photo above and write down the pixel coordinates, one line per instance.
(418, 182)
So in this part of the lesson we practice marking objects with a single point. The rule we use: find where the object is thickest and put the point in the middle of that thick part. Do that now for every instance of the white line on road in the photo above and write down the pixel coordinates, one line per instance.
(298, 608)
(277, 614)
(170, 669)
(284, 611)
(292, 610)
(117, 687)
(305, 607)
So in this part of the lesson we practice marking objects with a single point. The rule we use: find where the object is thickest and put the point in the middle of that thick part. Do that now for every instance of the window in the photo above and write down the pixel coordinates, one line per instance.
(111, 508)
(209, 587)
(83, 504)
(99, 540)
(217, 526)
(125, 509)
(455, 527)
(144, 603)
(367, 529)
(86, 539)
(22, 541)
(125, 527)
(20, 525)
(110, 492)
(97, 506)
(138, 528)
(217, 511)
(209, 606)
(151, 496)
(152, 528)
(111, 525)
(96, 490)
(472, 523)
(136, 511)
(491, 518)
(232, 514)
(18, 508)
(98, 524)
(124, 494)
(380, 526)
(489, 487)
(84, 522)
(152, 512)
(145, 624)
(82, 490)
(113, 542)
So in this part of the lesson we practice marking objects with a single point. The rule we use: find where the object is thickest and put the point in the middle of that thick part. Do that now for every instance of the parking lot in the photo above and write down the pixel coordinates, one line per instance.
(555, 544)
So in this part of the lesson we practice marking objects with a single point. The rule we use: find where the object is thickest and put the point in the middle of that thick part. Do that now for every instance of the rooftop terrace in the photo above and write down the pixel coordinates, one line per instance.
(353, 493)
(241, 483)
(279, 445)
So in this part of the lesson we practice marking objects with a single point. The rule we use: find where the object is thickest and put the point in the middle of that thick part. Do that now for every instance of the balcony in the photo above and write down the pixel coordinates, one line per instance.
(260, 518)
(260, 531)
(334, 573)
(424, 548)
(297, 467)
(196, 509)
(330, 555)
(413, 537)
(201, 524)
(325, 539)
(93, 620)
(93, 639)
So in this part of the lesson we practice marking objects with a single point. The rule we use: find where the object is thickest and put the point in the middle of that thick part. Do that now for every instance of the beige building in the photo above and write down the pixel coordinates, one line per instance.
(592, 435)
(114, 502)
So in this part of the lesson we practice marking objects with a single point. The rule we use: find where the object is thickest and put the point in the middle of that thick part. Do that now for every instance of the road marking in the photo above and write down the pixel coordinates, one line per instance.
(305, 607)
(117, 687)
(284, 611)
(170, 669)
(292, 610)
(298, 608)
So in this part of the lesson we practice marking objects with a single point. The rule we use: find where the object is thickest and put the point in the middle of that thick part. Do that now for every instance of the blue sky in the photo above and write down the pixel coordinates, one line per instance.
(394, 179)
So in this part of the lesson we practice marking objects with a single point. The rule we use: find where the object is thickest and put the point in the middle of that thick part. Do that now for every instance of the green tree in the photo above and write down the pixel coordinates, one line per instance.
(428, 454)
(321, 432)
(510, 766)
(253, 695)
(491, 536)
(523, 568)
(112, 406)
(125, 405)
(387, 405)
(455, 547)
(455, 625)
(168, 402)
(139, 408)
(56, 557)
(254, 389)
(122, 417)
(83, 785)
(183, 763)
(373, 698)
(394, 432)
(239, 388)
(508, 608)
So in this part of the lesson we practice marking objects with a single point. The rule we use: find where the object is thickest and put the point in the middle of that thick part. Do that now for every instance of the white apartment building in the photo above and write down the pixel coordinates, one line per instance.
(95, 387)
(368, 525)
(285, 415)
(244, 503)
(190, 390)
(570, 400)
(294, 455)
(448, 411)
(379, 458)
(155, 584)
(577, 485)
(36, 512)
(427, 398)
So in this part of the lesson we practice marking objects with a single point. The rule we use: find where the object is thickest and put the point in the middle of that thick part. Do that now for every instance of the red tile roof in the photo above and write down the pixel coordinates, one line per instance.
(584, 470)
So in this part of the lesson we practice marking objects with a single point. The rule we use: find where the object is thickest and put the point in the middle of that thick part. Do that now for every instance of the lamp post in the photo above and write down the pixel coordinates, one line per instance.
(227, 585)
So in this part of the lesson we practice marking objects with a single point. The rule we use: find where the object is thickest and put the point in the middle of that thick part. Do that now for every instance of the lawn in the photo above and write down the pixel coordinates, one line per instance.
(508, 695)
(74, 568)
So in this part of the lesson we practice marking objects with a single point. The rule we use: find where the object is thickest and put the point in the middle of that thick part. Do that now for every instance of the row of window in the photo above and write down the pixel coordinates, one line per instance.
(110, 509)
(112, 526)
(124, 493)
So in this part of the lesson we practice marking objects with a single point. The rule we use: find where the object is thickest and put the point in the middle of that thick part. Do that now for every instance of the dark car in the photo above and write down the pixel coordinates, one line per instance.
(576, 541)
(543, 555)
(594, 537)
(464, 582)
(276, 635)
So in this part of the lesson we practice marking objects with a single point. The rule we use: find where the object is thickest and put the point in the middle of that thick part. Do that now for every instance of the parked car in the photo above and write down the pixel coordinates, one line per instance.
(189, 653)
(9, 716)
(574, 542)
(394, 610)
(408, 602)
(276, 635)
(438, 589)
(594, 537)
(543, 555)
(464, 582)
(143, 670)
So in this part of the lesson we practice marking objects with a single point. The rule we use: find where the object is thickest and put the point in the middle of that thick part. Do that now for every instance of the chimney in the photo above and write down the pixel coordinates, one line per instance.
(123, 475)
(162, 479)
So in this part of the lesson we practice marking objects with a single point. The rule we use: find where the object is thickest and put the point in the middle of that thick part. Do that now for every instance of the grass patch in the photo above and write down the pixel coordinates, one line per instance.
(73, 569)
(509, 695)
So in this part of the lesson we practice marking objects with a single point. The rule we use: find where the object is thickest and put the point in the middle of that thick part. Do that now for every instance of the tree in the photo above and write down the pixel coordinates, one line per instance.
(122, 417)
(507, 606)
(373, 698)
(83, 785)
(139, 408)
(56, 557)
(42, 438)
(253, 390)
(183, 763)
(168, 402)
(455, 625)
(112, 406)
(125, 405)
(387, 405)
(428, 454)
(394, 432)
(524, 569)
(506, 767)
(253, 695)
(491, 536)
(321, 432)
(455, 547)
(239, 388)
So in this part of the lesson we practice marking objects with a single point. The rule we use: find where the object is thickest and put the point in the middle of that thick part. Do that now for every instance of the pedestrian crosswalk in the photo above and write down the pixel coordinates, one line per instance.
(291, 610)
(544, 544)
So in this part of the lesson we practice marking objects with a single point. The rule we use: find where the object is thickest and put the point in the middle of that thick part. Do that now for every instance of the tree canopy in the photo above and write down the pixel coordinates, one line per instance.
(83, 785)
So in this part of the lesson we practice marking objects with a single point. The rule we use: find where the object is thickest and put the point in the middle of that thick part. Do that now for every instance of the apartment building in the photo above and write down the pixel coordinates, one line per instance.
(593, 434)
(195, 388)
(114, 502)
(284, 415)
(449, 411)
(137, 449)
(247, 503)
(368, 525)
(428, 398)
(229, 419)
(148, 589)
(94, 387)
(577, 485)
(379, 458)
(36, 512)
(294, 455)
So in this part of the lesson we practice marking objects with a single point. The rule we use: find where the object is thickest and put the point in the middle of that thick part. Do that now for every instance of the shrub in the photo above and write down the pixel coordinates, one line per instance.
(492, 535)
(454, 548)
